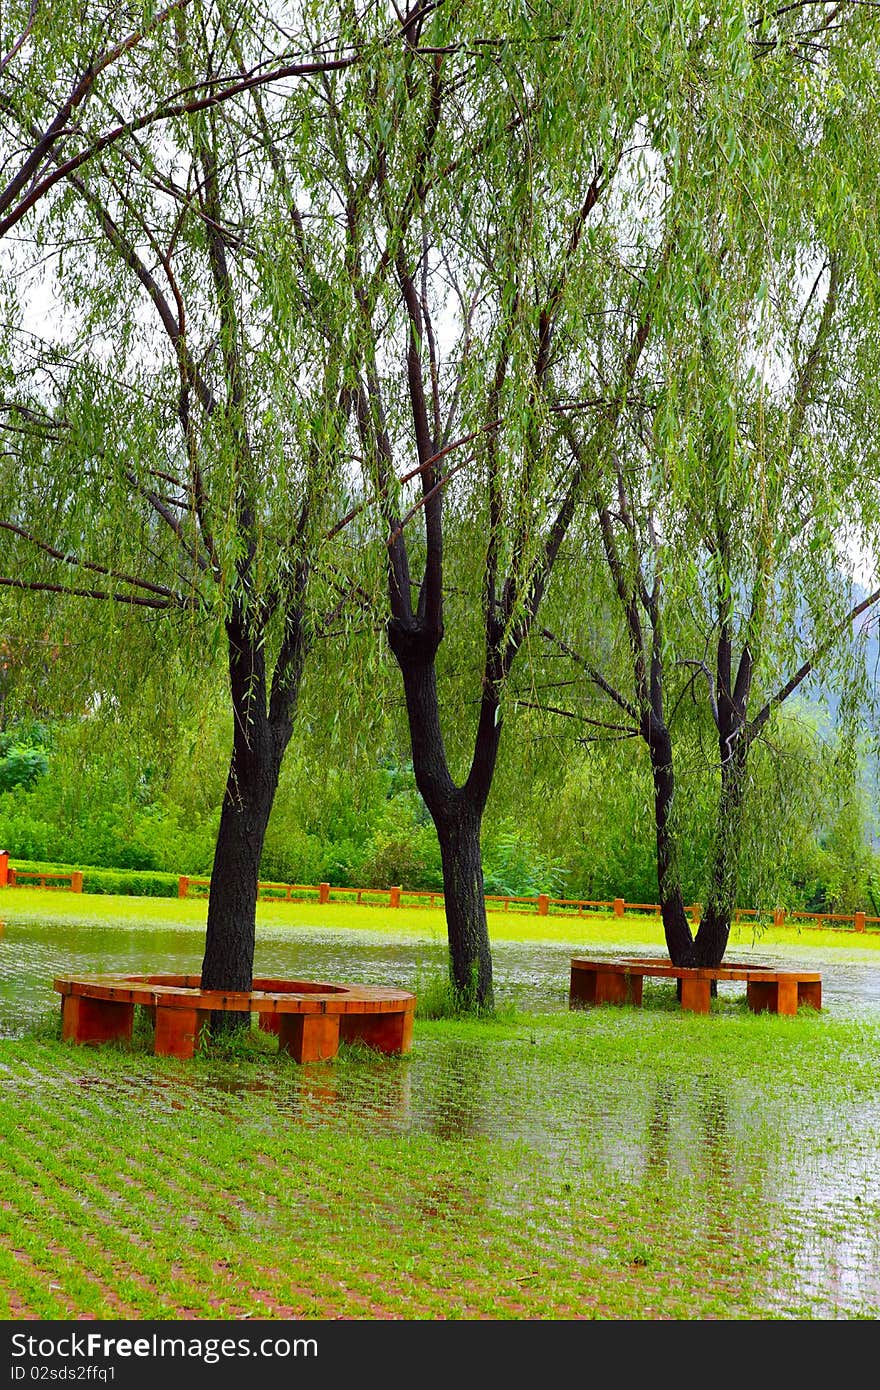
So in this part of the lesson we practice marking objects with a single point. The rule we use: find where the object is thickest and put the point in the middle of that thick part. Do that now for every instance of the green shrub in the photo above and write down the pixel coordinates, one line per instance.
(21, 767)
(513, 864)
(135, 885)
(96, 880)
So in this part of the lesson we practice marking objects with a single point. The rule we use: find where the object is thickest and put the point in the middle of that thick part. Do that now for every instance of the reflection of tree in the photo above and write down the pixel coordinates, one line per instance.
(376, 1087)
(459, 1109)
(716, 1130)
(661, 1155)
(657, 1152)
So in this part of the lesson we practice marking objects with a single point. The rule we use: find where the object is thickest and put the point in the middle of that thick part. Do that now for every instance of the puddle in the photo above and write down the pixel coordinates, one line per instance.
(531, 975)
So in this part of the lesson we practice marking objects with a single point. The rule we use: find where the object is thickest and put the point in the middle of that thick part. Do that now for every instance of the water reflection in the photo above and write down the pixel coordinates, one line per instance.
(715, 1132)
(457, 1104)
(650, 1127)
(671, 1146)
(659, 1123)
(528, 974)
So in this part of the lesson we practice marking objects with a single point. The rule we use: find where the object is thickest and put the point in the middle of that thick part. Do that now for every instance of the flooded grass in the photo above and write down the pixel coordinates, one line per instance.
(614, 1163)
(611, 1163)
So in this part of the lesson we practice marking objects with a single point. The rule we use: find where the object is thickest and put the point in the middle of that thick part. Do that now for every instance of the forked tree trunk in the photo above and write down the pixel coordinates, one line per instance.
(714, 930)
(676, 928)
(456, 811)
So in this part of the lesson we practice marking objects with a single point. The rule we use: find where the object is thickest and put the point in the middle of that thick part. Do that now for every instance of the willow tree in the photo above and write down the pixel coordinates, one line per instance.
(187, 448)
(746, 459)
(488, 181)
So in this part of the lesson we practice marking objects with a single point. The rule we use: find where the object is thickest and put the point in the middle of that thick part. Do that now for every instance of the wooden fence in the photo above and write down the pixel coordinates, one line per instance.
(10, 877)
(542, 904)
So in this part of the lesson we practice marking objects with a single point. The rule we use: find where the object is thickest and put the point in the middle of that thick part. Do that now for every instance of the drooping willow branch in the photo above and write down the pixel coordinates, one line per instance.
(170, 109)
(382, 493)
(68, 558)
(755, 725)
(177, 601)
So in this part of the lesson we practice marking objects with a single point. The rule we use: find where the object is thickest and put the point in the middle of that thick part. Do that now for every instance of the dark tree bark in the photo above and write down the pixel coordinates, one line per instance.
(250, 790)
(261, 732)
(456, 811)
(470, 956)
(676, 928)
(714, 930)
(733, 747)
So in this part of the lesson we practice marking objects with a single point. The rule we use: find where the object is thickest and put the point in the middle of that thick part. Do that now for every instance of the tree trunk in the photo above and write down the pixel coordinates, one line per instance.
(679, 941)
(261, 734)
(229, 940)
(714, 930)
(456, 811)
(470, 957)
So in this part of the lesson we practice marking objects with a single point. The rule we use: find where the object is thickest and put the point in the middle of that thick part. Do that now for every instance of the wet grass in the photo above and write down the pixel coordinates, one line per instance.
(615, 1163)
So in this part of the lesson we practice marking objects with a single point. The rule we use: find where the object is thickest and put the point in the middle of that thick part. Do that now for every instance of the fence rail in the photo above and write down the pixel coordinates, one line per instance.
(10, 878)
(541, 904)
(396, 896)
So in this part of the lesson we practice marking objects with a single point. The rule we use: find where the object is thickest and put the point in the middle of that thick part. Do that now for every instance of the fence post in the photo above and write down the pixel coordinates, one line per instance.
(696, 913)
(543, 904)
(182, 886)
(76, 881)
(860, 921)
(618, 907)
(4, 868)
(395, 897)
(323, 892)
(779, 917)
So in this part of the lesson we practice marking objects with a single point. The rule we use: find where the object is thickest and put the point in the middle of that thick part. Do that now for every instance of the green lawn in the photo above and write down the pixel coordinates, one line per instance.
(634, 929)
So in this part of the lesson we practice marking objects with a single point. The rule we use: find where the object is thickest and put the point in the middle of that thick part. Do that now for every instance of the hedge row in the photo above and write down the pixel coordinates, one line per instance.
(134, 883)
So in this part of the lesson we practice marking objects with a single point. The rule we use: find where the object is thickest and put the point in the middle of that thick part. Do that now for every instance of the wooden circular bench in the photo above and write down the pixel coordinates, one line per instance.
(620, 982)
(309, 1017)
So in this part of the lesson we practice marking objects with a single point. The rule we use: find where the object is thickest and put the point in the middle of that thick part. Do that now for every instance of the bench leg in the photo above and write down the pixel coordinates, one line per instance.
(270, 1023)
(309, 1037)
(779, 995)
(386, 1032)
(761, 996)
(809, 992)
(696, 995)
(95, 1020)
(787, 997)
(582, 989)
(178, 1031)
(590, 987)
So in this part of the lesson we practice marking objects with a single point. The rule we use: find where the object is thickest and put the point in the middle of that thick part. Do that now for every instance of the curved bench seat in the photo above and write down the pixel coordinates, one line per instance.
(310, 1017)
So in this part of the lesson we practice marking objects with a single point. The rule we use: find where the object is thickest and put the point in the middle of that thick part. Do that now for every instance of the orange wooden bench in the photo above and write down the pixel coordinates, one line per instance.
(310, 1018)
(620, 982)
